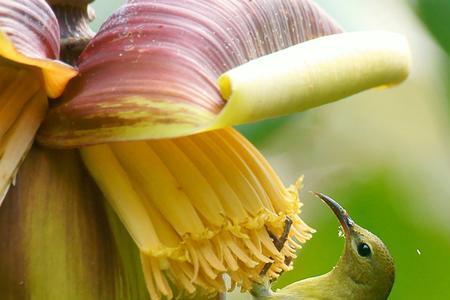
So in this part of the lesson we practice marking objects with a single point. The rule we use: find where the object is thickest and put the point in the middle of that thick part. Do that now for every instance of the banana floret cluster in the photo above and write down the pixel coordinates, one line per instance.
(199, 207)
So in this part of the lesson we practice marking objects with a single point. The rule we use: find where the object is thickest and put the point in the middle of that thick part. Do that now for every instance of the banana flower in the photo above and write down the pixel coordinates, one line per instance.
(148, 112)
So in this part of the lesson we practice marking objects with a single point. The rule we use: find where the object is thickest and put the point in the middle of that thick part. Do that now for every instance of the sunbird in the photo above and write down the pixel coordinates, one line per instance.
(365, 270)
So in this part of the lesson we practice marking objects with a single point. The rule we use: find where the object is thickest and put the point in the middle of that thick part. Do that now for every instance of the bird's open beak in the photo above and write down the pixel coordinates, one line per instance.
(339, 211)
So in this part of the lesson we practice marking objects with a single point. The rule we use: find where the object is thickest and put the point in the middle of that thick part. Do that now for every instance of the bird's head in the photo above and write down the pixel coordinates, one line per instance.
(366, 261)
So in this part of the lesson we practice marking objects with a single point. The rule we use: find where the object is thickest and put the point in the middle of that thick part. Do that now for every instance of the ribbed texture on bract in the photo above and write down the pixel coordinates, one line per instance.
(31, 26)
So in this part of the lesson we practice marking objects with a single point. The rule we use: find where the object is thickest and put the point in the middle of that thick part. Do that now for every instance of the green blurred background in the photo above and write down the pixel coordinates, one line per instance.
(384, 154)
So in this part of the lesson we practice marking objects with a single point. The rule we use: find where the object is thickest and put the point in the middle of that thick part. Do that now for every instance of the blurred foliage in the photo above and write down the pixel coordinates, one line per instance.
(258, 132)
(436, 16)
(103, 9)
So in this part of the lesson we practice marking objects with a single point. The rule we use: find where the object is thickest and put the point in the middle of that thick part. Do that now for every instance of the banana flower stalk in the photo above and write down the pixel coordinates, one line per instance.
(148, 111)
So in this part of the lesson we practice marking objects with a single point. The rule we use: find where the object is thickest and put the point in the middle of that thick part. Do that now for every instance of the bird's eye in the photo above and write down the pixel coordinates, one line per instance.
(364, 250)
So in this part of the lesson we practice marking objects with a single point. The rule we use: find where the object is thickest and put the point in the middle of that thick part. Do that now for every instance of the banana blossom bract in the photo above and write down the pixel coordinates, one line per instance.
(29, 73)
(150, 111)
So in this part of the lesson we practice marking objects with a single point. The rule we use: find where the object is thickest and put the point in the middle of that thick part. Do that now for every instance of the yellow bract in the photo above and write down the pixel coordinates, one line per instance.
(198, 207)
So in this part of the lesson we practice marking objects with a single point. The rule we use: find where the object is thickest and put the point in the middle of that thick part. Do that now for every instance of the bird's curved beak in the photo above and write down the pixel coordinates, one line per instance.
(339, 211)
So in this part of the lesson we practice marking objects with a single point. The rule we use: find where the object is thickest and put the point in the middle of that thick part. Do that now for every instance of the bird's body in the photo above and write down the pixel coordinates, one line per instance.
(365, 270)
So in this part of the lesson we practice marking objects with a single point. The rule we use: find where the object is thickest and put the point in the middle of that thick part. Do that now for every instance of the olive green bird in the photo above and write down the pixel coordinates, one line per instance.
(365, 271)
